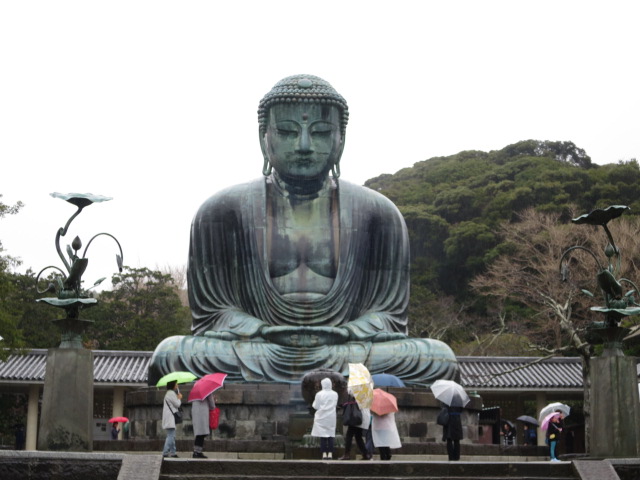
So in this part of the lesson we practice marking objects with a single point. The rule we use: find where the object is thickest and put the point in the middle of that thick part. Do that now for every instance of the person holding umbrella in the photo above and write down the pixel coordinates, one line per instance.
(172, 402)
(529, 425)
(202, 401)
(383, 424)
(530, 434)
(114, 431)
(453, 399)
(508, 432)
(356, 431)
(552, 425)
(200, 419)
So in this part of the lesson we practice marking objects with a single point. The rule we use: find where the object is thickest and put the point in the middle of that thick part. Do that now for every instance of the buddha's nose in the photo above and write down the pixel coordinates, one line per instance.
(304, 142)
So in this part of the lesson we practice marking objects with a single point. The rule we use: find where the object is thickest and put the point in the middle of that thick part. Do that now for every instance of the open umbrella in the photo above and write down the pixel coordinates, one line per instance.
(383, 402)
(547, 419)
(552, 407)
(360, 384)
(386, 380)
(118, 420)
(206, 386)
(450, 393)
(180, 377)
(528, 419)
(508, 422)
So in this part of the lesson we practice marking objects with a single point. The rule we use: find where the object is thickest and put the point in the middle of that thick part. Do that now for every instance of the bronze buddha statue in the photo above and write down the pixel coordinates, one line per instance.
(300, 270)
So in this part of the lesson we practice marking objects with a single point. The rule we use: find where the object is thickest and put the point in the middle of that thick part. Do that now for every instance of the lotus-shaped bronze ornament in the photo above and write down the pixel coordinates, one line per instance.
(67, 285)
(618, 303)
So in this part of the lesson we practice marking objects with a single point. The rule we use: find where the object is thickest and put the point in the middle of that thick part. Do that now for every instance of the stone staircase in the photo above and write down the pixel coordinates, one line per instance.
(210, 469)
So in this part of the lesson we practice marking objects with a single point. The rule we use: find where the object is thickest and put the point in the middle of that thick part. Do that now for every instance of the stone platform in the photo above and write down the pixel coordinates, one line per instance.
(278, 412)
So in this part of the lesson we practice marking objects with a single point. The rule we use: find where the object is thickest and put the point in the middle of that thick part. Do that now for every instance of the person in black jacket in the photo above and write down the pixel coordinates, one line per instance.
(553, 435)
(356, 431)
(452, 432)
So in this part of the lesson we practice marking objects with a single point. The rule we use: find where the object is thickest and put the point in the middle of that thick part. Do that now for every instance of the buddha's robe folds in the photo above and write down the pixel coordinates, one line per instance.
(233, 299)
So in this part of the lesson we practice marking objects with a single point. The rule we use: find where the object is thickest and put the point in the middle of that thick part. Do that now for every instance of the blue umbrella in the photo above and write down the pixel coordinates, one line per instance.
(386, 380)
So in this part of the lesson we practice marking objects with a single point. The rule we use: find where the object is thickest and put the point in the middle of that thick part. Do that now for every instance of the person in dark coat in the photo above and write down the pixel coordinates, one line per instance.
(114, 431)
(530, 435)
(356, 432)
(452, 432)
(553, 435)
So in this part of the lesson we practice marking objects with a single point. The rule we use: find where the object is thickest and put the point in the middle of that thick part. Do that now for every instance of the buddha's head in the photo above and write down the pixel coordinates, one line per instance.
(303, 123)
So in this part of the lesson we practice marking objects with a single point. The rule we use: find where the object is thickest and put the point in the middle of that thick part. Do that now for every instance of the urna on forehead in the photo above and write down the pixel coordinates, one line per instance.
(303, 89)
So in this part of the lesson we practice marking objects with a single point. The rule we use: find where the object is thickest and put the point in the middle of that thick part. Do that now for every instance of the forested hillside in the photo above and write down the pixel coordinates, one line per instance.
(454, 206)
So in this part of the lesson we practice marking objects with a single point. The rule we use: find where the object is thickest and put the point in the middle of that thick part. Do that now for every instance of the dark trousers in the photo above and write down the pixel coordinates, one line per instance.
(453, 449)
(326, 444)
(385, 453)
(354, 432)
(198, 443)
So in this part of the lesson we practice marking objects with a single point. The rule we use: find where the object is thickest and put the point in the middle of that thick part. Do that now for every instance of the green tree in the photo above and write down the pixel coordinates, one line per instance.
(9, 317)
(34, 318)
(143, 309)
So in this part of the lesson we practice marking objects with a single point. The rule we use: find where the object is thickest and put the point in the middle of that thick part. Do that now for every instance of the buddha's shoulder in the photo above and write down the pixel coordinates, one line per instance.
(234, 196)
(362, 196)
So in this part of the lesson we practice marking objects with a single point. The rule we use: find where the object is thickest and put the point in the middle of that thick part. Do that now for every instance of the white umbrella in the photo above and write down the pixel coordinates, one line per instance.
(450, 393)
(552, 407)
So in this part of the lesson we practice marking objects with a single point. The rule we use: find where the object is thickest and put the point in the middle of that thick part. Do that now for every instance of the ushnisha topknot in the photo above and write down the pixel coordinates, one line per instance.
(305, 89)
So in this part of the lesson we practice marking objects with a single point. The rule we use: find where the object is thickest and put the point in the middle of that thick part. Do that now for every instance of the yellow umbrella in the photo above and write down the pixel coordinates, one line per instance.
(360, 384)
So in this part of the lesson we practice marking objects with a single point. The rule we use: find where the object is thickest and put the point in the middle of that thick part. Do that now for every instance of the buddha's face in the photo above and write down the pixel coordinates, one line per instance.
(302, 141)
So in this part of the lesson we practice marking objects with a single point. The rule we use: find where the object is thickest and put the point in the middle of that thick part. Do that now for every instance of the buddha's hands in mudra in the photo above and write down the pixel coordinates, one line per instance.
(308, 336)
(301, 336)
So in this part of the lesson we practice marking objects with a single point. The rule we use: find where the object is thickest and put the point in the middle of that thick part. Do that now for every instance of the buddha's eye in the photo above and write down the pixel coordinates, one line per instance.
(321, 129)
(287, 129)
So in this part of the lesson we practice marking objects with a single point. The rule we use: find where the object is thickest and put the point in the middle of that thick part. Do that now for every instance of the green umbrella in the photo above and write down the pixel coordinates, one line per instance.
(180, 377)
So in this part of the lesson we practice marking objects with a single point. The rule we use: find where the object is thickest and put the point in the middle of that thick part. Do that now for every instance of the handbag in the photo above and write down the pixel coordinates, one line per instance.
(443, 417)
(177, 415)
(351, 416)
(214, 418)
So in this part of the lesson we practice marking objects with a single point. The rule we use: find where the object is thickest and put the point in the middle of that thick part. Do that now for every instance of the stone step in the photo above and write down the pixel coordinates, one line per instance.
(203, 469)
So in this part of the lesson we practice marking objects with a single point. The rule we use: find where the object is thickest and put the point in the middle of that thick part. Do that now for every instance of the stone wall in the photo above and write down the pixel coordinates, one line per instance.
(278, 411)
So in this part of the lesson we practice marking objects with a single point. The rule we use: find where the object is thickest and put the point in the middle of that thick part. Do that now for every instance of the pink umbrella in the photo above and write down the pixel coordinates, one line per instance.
(206, 386)
(383, 402)
(118, 420)
(547, 419)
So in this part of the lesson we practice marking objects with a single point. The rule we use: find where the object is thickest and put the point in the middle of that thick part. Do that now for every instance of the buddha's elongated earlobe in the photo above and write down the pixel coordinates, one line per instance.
(266, 167)
(335, 170)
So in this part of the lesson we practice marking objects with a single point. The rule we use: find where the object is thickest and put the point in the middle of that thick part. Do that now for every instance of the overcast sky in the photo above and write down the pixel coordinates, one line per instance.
(154, 103)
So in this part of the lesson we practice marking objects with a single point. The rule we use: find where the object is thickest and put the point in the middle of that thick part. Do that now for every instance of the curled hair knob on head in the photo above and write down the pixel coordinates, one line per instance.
(305, 89)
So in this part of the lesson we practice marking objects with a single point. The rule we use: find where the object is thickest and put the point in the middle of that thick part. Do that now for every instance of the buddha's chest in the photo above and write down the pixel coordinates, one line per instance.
(302, 242)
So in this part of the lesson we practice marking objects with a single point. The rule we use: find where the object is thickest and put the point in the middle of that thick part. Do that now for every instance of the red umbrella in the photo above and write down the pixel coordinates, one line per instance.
(118, 420)
(383, 402)
(206, 386)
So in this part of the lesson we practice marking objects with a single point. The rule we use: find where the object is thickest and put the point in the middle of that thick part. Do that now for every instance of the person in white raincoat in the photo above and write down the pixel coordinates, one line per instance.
(385, 434)
(324, 421)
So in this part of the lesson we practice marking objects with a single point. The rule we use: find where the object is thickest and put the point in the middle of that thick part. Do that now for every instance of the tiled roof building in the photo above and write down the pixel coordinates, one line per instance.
(484, 374)
(515, 384)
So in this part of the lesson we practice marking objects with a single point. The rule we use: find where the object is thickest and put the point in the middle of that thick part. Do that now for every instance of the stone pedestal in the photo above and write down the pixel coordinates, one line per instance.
(67, 401)
(615, 409)
(260, 412)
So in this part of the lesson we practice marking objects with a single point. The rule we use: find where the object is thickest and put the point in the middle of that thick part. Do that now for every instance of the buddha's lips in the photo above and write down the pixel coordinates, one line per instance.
(304, 161)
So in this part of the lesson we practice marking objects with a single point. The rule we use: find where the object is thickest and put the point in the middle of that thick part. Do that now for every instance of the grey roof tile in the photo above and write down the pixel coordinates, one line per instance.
(478, 373)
